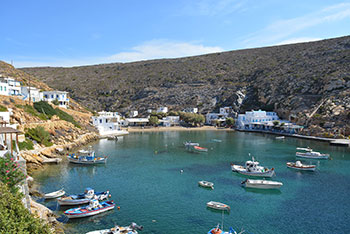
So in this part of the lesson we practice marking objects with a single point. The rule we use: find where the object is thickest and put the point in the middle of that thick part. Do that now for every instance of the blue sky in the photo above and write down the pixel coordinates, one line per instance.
(77, 32)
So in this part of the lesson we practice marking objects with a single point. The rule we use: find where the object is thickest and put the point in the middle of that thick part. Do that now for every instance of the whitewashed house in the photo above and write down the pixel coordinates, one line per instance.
(4, 87)
(251, 118)
(108, 124)
(134, 113)
(32, 92)
(135, 122)
(170, 121)
(10, 87)
(210, 118)
(162, 109)
(191, 110)
(60, 96)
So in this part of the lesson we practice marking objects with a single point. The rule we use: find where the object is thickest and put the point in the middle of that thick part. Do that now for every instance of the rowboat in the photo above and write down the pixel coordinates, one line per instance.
(261, 184)
(218, 206)
(83, 198)
(194, 147)
(55, 194)
(310, 154)
(252, 168)
(119, 230)
(200, 149)
(299, 166)
(206, 184)
(93, 208)
(86, 157)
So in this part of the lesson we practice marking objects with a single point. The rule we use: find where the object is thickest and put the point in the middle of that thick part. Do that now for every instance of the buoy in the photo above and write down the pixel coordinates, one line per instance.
(181, 171)
(118, 207)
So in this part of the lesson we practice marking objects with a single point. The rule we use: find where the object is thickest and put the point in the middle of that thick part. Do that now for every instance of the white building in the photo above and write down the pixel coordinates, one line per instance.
(32, 92)
(10, 87)
(108, 124)
(135, 122)
(61, 96)
(218, 117)
(250, 118)
(134, 113)
(191, 110)
(162, 109)
(170, 121)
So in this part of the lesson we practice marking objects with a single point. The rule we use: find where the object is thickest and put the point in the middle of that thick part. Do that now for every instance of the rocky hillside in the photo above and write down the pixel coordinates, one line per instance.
(308, 83)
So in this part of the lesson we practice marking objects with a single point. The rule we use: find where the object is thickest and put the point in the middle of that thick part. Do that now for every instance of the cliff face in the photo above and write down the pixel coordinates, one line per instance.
(307, 82)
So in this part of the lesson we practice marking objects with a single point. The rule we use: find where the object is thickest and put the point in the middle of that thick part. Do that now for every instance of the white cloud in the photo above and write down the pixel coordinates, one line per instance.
(283, 29)
(297, 40)
(157, 49)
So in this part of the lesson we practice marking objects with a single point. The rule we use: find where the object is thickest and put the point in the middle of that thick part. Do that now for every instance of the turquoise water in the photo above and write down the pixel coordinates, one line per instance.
(143, 176)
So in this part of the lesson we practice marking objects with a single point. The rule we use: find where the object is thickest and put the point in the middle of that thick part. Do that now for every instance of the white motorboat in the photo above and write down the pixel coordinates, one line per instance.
(132, 229)
(252, 168)
(83, 198)
(299, 166)
(206, 184)
(310, 154)
(218, 206)
(261, 184)
(190, 144)
(280, 137)
(55, 194)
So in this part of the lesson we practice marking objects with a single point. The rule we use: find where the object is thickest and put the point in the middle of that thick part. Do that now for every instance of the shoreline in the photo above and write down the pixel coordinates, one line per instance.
(176, 128)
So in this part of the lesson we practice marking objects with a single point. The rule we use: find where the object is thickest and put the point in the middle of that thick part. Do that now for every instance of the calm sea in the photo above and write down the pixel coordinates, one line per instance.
(143, 176)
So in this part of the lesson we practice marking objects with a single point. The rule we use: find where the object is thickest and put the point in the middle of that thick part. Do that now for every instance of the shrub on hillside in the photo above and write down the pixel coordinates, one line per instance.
(10, 173)
(3, 108)
(40, 135)
(45, 108)
(26, 145)
(67, 117)
(15, 218)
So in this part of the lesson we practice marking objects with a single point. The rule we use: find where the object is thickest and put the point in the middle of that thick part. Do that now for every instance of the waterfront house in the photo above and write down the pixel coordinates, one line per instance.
(133, 113)
(251, 118)
(135, 122)
(213, 118)
(191, 110)
(31, 92)
(108, 123)
(60, 96)
(169, 121)
(162, 109)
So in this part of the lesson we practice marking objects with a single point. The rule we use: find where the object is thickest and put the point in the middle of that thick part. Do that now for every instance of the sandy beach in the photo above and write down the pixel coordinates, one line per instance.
(175, 128)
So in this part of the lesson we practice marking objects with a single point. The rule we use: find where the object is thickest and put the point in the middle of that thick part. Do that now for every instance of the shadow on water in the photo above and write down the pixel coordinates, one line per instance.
(263, 191)
(226, 212)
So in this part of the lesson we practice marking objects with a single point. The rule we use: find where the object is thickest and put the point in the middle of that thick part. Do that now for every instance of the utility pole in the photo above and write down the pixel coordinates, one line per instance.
(29, 91)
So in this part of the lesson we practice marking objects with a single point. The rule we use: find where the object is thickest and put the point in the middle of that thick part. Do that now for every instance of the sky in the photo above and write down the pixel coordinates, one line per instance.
(84, 32)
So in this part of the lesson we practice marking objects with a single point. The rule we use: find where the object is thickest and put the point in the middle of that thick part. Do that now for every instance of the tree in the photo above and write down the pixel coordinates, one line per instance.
(10, 173)
(39, 134)
(276, 123)
(55, 102)
(230, 122)
(153, 120)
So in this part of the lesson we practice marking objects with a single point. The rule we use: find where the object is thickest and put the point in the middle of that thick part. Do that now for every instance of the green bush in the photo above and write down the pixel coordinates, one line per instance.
(15, 218)
(10, 173)
(29, 109)
(67, 117)
(45, 108)
(230, 122)
(55, 102)
(26, 145)
(39, 134)
(3, 108)
(153, 120)
(192, 118)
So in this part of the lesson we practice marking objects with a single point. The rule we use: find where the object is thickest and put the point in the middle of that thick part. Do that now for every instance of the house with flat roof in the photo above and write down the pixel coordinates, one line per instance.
(247, 120)
(31, 92)
(108, 123)
(224, 112)
(60, 96)
(191, 110)
(10, 86)
(162, 109)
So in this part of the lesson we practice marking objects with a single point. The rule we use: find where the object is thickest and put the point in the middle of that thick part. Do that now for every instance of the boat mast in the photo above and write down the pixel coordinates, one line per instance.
(222, 220)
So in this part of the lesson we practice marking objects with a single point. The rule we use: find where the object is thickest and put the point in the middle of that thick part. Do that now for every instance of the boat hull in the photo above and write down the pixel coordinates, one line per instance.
(241, 170)
(72, 213)
(304, 155)
(73, 202)
(54, 194)
(206, 184)
(218, 206)
(262, 184)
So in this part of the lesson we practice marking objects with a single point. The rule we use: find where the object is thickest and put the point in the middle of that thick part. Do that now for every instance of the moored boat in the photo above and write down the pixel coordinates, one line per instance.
(93, 208)
(299, 166)
(55, 194)
(252, 168)
(83, 198)
(310, 154)
(200, 149)
(206, 184)
(86, 157)
(280, 137)
(218, 206)
(261, 184)
(132, 229)
(217, 230)
(194, 147)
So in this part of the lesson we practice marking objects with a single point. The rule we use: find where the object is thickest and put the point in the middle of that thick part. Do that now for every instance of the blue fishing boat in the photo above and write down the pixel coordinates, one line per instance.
(217, 230)
(83, 198)
(86, 157)
(95, 207)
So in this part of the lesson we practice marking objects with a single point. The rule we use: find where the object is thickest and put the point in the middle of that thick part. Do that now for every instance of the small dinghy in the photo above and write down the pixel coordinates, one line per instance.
(206, 184)
(261, 184)
(217, 230)
(194, 147)
(218, 206)
(280, 137)
(55, 194)
(252, 168)
(119, 230)
(302, 167)
(83, 198)
(93, 208)
(310, 154)
(200, 149)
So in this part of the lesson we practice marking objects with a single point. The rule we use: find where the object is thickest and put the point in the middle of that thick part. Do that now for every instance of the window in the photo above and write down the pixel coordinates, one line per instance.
(100, 120)
(0, 88)
(51, 95)
(45, 95)
(4, 88)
